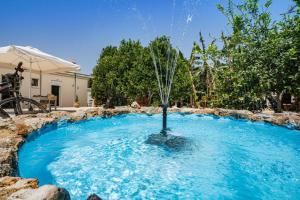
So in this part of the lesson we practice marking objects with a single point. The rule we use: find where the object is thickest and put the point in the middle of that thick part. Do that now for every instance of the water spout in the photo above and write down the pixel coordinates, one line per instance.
(164, 126)
(164, 73)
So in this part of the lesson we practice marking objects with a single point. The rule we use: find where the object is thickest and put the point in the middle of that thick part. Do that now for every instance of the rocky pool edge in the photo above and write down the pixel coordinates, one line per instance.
(14, 131)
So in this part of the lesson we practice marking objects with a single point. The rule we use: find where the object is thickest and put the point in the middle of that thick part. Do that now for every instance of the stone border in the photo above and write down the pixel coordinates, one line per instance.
(14, 131)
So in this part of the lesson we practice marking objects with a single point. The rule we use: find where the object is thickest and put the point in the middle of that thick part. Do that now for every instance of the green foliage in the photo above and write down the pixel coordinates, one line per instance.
(260, 58)
(105, 75)
(182, 84)
(126, 73)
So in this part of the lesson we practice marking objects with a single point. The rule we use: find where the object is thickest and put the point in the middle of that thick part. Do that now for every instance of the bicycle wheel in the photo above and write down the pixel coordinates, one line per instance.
(9, 106)
(3, 114)
(30, 106)
(21, 105)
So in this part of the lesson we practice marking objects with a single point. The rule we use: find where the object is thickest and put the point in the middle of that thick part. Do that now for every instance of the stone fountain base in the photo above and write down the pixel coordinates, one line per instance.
(168, 140)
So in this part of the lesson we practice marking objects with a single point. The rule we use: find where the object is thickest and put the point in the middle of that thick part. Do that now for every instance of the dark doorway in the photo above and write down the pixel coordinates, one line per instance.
(55, 91)
(286, 98)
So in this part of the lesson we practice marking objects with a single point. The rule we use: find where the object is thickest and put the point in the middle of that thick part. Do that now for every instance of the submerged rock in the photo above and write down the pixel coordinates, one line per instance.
(176, 142)
(172, 142)
(156, 139)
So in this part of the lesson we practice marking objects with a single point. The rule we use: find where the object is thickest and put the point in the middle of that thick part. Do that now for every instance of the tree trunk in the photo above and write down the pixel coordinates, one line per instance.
(150, 95)
(297, 103)
(194, 98)
(109, 103)
(192, 101)
(279, 102)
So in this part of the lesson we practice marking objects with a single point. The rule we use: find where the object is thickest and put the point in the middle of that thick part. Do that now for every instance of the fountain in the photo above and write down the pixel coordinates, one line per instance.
(165, 110)
(165, 73)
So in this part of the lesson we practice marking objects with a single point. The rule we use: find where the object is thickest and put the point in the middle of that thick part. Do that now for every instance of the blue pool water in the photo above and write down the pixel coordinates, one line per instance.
(227, 159)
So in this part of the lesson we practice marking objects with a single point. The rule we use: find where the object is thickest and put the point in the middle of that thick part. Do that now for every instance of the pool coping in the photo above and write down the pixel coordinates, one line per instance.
(14, 131)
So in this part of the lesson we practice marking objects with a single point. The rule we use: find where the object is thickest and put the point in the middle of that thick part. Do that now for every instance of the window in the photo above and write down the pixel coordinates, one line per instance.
(34, 82)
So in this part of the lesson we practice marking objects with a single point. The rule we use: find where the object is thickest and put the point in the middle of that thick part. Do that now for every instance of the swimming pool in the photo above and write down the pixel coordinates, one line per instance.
(226, 158)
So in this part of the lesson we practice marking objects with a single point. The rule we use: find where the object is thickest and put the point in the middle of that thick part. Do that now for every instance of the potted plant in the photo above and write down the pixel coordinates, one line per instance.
(76, 103)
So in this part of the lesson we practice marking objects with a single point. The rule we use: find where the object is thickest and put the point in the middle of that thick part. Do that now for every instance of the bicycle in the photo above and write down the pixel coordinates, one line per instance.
(20, 105)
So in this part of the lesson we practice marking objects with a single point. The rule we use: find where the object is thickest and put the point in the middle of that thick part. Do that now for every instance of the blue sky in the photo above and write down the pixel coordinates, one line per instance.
(79, 29)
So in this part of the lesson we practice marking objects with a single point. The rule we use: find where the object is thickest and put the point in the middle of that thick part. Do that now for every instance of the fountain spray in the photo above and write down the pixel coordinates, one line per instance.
(164, 75)
(165, 71)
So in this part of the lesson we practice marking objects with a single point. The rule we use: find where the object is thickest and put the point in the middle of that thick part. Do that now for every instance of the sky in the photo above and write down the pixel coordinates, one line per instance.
(77, 30)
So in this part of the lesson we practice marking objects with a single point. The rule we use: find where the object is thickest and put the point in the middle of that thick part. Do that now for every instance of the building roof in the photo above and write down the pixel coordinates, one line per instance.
(71, 74)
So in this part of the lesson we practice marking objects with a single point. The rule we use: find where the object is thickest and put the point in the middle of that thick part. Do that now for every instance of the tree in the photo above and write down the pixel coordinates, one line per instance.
(126, 73)
(204, 59)
(105, 76)
(183, 84)
(258, 55)
(194, 65)
(142, 85)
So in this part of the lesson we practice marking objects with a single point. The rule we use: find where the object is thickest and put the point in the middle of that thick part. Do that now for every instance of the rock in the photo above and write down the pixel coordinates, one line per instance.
(240, 114)
(4, 123)
(9, 144)
(8, 139)
(113, 112)
(176, 143)
(92, 112)
(16, 188)
(171, 142)
(13, 131)
(8, 180)
(294, 122)
(22, 129)
(46, 192)
(174, 109)
(93, 197)
(208, 111)
(8, 162)
(10, 185)
(156, 139)
(255, 118)
(135, 105)
(151, 110)
(121, 110)
(267, 111)
(186, 111)
(36, 123)
(78, 115)
(57, 115)
(278, 120)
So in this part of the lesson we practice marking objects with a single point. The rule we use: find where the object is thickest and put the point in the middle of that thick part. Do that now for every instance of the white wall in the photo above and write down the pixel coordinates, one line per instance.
(65, 81)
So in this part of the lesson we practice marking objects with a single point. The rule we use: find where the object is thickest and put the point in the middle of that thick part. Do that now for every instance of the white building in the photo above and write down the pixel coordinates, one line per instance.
(63, 85)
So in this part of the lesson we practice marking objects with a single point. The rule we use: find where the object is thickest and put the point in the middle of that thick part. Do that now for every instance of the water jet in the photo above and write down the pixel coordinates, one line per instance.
(165, 69)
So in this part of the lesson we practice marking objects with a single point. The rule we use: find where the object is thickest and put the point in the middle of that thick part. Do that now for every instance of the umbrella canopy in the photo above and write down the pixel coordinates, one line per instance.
(34, 59)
